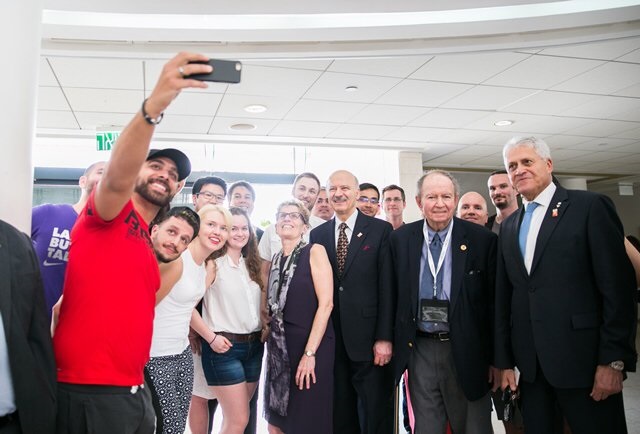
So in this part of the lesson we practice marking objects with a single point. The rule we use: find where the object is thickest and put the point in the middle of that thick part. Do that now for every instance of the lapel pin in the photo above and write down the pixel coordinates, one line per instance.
(554, 212)
(463, 247)
(359, 234)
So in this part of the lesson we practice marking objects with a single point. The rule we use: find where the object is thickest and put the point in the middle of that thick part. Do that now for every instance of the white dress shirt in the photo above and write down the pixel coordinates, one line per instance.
(7, 397)
(544, 202)
(351, 223)
(232, 303)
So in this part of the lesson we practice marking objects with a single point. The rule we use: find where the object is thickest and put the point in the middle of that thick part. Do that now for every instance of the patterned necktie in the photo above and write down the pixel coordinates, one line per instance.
(341, 251)
(524, 226)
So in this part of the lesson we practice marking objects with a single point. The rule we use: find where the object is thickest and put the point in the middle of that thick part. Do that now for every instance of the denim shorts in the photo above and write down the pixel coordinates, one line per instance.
(242, 363)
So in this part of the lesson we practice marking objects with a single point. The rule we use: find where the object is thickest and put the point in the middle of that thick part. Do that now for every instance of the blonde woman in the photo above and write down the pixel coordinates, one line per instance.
(169, 372)
(231, 326)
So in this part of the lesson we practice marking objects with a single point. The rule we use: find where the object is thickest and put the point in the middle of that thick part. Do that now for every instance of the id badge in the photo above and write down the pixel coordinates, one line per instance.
(433, 310)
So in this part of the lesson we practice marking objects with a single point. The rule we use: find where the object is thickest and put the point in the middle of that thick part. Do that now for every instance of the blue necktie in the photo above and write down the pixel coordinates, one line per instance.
(524, 227)
(436, 249)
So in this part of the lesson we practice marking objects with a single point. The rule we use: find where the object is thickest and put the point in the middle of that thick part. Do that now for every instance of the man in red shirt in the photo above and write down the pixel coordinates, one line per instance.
(104, 332)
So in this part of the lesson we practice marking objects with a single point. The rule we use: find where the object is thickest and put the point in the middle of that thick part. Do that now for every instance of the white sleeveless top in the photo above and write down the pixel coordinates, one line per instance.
(232, 302)
(173, 314)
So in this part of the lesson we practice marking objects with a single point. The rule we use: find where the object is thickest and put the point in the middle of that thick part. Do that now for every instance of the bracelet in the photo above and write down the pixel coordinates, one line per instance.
(212, 340)
(149, 119)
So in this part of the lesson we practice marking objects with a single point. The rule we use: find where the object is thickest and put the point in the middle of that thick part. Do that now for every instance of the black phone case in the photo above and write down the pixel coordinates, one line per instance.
(224, 71)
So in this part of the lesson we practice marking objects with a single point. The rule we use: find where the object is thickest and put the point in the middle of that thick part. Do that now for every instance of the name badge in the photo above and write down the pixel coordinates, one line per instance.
(433, 310)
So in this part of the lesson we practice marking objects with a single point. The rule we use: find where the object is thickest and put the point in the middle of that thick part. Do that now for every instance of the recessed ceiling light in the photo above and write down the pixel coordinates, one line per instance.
(242, 127)
(503, 123)
(351, 88)
(255, 108)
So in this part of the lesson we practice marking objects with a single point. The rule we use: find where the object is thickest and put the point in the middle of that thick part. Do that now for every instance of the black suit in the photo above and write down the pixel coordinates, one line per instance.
(490, 221)
(27, 332)
(473, 265)
(574, 310)
(362, 314)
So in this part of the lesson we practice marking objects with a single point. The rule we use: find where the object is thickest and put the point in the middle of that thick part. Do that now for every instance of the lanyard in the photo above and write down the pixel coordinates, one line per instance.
(445, 245)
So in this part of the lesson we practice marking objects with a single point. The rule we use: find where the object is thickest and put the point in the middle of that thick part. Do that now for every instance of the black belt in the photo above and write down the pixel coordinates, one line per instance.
(438, 336)
(99, 389)
(8, 419)
(236, 337)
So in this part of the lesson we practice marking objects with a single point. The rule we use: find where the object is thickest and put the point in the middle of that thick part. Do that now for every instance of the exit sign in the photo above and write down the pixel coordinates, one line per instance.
(106, 139)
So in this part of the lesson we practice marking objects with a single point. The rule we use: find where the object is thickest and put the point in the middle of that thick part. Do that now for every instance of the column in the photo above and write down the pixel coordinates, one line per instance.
(20, 33)
(410, 164)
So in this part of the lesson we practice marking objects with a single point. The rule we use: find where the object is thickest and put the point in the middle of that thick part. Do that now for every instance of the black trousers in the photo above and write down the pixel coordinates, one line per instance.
(104, 410)
(363, 395)
(543, 407)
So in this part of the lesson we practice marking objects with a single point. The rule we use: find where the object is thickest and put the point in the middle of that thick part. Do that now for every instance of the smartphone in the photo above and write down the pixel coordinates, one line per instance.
(224, 71)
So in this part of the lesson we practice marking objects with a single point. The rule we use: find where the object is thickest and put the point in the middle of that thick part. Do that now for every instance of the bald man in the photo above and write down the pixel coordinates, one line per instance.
(473, 208)
(358, 247)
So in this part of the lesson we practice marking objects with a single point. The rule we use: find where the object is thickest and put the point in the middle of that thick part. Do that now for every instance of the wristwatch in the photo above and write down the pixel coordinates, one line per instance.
(309, 353)
(618, 365)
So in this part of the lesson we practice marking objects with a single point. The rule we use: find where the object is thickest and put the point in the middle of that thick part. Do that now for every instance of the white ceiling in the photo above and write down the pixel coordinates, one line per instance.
(582, 98)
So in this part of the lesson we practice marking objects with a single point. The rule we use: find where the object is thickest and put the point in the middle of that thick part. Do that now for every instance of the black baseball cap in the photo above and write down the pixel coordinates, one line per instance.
(182, 161)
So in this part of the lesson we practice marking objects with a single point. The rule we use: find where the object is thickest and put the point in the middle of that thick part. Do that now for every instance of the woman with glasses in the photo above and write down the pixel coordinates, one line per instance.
(300, 346)
(169, 372)
(230, 327)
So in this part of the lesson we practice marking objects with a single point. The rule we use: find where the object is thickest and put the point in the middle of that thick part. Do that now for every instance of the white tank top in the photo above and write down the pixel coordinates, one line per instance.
(173, 314)
(232, 302)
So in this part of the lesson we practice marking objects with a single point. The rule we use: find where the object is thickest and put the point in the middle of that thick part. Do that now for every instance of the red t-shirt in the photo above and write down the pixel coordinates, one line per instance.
(106, 318)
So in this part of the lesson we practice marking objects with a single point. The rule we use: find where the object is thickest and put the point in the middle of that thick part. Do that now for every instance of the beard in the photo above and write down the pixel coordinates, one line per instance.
(153, 197)
(502, 205)
(164, 259)
(161, 257)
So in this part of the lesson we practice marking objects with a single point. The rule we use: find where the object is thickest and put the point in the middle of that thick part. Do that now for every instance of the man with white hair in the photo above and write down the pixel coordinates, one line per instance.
(565, 300)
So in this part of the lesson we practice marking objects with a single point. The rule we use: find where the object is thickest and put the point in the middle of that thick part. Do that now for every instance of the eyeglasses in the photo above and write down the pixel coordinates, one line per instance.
(291, 215)
(210, 196)
(393, 199)
(321, 200)
(372, 201)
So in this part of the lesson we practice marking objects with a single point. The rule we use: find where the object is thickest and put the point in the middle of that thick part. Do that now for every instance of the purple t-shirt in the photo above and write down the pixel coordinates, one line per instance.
(51, 235)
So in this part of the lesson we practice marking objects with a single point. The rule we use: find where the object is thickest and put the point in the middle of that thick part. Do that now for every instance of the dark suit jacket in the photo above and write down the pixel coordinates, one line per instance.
(576, 309)
(473, 266)
(27, 332)
(363, 299)
(490, 220)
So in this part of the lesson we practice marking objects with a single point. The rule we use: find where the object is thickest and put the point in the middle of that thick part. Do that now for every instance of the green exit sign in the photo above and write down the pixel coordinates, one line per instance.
(106, 139)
